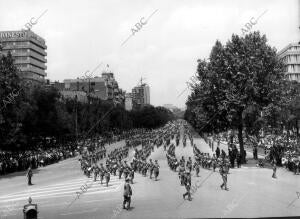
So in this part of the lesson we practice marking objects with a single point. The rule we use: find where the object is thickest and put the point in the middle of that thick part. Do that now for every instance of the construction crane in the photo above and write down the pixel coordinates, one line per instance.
(141, 81)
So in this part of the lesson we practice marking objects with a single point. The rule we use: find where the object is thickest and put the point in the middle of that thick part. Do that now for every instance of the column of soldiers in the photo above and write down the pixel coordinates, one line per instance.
(115, 162)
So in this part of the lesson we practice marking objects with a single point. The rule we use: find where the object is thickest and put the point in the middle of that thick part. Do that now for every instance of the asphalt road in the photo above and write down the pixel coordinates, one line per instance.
(252, 192)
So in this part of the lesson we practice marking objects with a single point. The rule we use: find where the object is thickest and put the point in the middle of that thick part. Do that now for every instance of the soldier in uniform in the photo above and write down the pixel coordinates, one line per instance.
(114, 167)
(131, 175)
(151, 167)
(187, 184)
(214, 162)
(127, 194)
(144, 168)
(96, 172)
(102, 172)
(29, 175)
(177, 140)
(126, 170)
(223, 173)
(107, 177)
(181, 174)
(120, 169)
(189, 164)
(197, 168)
(156, 170)
(218, 152)
(182, 161)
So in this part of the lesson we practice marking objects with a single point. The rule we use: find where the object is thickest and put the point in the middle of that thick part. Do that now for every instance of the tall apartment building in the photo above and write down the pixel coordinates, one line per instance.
(128, 101)
(28, 51)
(141, 96)
(290, 55)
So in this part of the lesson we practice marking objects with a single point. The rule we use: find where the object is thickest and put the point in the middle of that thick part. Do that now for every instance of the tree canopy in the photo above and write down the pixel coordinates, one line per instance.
(239, 80)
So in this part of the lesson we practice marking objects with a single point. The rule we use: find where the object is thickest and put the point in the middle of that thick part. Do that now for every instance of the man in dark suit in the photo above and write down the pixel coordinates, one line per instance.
(29, 175)
(127, 194)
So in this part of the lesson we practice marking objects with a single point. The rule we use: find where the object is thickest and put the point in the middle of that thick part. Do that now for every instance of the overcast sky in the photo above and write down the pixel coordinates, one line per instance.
(80, 34)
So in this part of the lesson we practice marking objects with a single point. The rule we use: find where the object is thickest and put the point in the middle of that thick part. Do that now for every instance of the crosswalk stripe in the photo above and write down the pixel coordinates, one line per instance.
(71, 184)
(59, 194)
(75, 187)
(84, 180)
(64, 189)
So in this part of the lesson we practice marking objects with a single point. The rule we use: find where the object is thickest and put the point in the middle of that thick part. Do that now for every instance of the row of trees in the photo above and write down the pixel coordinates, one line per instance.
(29, 114)
(242, 87)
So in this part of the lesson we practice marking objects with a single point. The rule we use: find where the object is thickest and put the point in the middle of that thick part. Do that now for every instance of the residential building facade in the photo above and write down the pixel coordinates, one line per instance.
(290, 55)
(141, 96)
(128, 101)
(104, 88)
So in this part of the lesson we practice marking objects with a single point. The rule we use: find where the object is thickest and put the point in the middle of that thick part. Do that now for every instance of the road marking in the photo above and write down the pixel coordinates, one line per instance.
(60, 188)
(64, 190)
(80, 212)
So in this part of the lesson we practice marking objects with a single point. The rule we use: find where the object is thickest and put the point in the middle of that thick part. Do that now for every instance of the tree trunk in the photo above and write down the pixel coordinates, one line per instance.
(240, 137)
(241, 142)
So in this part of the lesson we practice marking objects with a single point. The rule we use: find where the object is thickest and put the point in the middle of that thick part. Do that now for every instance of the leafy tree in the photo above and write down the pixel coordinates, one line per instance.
(10, 102)
(242, 74)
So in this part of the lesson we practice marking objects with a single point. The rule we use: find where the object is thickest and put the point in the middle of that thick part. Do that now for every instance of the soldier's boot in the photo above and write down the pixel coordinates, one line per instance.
(128, 204)
(189, 196)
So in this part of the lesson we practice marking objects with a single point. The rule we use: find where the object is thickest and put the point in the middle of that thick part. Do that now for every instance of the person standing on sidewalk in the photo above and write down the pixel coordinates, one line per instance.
(274, 169)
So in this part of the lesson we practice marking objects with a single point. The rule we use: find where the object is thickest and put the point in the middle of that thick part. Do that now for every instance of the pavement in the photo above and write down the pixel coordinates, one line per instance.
(252, 192)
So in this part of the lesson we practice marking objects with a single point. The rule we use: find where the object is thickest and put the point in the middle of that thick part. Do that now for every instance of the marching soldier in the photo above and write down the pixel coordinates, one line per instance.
(181, 174)
(223, 173)
(126, 170)
(120, 169)
(127, 194)
(29, 175)
(182, 161)
(144, 168)
(114, 167)
(197, 168)
(189, 164)
(102, 172)
(151, 167)
(187, 184)
(107, 177)
(131, 176)
(96, 172)
(156, 170)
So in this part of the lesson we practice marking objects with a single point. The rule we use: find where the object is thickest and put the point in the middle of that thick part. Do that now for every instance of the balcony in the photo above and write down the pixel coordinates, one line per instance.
(31, 61)
(34, 70)
(30, 46)
(37, 56)
(37, 49)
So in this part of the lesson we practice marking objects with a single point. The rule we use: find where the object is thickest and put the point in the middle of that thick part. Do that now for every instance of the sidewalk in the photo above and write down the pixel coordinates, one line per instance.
(247, 148)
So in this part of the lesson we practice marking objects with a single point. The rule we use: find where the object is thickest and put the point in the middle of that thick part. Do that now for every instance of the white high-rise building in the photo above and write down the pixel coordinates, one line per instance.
(128, 101)
(290, 55)
(141, 96)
